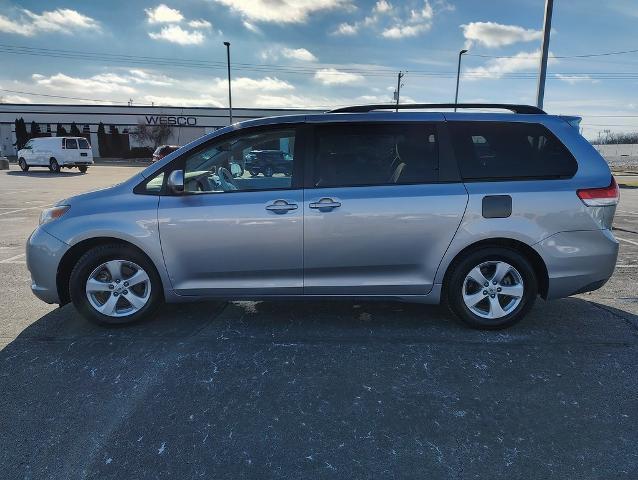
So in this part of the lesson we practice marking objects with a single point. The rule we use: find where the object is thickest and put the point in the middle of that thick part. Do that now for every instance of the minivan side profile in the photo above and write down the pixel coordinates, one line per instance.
(56, 153)
(480, 211)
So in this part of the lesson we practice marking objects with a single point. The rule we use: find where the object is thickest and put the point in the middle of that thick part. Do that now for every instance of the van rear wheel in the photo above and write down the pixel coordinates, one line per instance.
(54, 166)
(23, 165)
(491, 288)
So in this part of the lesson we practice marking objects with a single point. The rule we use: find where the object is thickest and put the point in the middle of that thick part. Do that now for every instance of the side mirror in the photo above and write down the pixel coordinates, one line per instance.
(176, 181)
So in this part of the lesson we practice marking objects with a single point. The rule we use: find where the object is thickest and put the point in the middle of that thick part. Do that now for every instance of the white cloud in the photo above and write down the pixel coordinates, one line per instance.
(103, 83)
(267, 84)
(332, 76)
(401, 31)
(299, 54)
(418, 22)
(573, 79)
(15, 99)
(250, 26)
(201, 101)
(61, 20)
(176, 34)
(491, 34)
(163, 14)
(382, 6)
(292, 53)
(346, 29)
(497, 67)
(200, 23)
(281, 11)
(150, 78)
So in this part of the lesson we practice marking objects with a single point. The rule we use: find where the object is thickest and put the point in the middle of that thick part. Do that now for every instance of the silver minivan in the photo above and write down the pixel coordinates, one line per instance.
(480, 211)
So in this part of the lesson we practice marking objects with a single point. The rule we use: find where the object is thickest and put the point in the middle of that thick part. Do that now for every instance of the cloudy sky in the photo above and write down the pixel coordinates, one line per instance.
(321, 53)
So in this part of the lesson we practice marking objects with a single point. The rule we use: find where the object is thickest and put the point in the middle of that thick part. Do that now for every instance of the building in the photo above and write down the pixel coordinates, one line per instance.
(185, 123)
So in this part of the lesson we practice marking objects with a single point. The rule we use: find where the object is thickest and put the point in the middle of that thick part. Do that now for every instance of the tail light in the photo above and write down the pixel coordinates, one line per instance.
(600, 197)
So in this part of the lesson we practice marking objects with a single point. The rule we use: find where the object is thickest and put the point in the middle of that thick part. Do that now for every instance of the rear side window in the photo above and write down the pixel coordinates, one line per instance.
(84, 145)
(71, 143)
(510, 150)
(377, 154)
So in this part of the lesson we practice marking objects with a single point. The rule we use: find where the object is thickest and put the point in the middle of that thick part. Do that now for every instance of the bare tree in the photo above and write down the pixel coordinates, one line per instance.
(153, 135)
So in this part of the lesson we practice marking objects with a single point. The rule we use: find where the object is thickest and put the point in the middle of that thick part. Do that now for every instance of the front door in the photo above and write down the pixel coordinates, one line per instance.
(233, 233)
(377, 220)
(71, 151)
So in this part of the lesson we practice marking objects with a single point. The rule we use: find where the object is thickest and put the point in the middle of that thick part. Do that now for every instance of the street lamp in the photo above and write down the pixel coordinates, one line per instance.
(458, 75)
(230, 98)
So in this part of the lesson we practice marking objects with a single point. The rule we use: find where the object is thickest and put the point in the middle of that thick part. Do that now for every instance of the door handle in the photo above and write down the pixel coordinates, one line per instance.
(325, 203)
(281, 206)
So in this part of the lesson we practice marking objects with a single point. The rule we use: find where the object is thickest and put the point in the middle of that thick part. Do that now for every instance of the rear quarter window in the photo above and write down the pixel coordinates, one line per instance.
(510, 150)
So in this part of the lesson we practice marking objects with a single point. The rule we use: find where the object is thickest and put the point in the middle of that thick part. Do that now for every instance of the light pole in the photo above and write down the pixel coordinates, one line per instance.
(398, 91)
(458, 76)
(542, 72)
(230, 98)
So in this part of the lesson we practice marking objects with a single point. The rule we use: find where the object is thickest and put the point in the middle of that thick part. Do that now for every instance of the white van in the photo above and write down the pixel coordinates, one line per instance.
(56, 153)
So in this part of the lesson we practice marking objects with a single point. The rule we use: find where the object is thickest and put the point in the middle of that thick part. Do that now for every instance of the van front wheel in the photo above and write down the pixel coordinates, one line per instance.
(83, 168)
(54, 166)
(23, 165)
(491, 288)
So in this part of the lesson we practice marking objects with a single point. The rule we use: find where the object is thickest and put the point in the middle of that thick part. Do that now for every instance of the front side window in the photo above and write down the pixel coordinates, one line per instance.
(358, 155)
(71, 143)
(509, 150)
(250, 161)
(84, 145)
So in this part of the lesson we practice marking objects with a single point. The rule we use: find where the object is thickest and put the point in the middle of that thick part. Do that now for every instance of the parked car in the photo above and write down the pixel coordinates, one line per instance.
(480, 211)
(56, 153)
(268, 162)
(163, 150)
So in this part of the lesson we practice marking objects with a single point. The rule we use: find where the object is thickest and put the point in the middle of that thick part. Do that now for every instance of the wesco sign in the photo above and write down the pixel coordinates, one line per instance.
(171, 120)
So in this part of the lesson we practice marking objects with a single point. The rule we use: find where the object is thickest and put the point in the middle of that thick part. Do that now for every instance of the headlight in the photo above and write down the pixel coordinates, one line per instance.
(50, 214)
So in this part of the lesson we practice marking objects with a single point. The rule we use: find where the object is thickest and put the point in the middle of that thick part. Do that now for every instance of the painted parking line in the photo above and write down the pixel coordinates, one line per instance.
(14, 259)
(621, 239)
(626, 266)
(627, 212)
(23, 209)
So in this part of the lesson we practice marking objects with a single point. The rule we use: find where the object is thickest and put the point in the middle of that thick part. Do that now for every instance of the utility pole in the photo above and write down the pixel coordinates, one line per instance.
(397, 94)
(230, 98)
(458, 76)
(547, 27)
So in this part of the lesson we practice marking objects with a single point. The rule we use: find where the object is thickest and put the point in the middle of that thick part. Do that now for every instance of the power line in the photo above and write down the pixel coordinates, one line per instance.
(587, 55)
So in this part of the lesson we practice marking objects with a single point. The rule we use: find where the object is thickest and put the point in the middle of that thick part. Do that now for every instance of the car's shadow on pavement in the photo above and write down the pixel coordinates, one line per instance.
(321, 389)
(44, 173)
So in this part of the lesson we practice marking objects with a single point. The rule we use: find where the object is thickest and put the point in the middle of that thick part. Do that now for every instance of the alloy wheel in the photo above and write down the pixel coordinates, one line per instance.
(493, 289)
(118, 288)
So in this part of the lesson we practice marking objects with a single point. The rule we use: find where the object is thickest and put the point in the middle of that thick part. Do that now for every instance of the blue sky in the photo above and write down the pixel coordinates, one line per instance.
(322, 53)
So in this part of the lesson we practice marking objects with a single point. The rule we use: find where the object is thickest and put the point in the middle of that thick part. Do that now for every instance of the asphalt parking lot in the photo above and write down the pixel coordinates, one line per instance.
(311, 389)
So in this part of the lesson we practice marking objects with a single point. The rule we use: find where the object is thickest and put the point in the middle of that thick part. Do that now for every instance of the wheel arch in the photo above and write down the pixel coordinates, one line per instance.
(538, 264)
(73, 254)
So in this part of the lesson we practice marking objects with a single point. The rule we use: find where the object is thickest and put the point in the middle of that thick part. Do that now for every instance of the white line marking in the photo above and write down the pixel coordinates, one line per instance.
(626, 211)
(617, 238)
(12, 259)
(627, 266)
(23, 209)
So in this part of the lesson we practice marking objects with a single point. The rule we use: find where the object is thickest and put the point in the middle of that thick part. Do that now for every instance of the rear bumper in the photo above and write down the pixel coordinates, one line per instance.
(579, 261)
(44, 253)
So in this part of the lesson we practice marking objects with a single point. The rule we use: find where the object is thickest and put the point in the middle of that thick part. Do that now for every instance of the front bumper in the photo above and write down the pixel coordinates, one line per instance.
(44, 253)
(578, 261)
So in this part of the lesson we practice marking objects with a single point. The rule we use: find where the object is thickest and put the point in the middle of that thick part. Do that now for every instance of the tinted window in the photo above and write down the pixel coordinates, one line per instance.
(351, 155)
(493, 150)
(252, 161)
(84, 145)
(72, 143)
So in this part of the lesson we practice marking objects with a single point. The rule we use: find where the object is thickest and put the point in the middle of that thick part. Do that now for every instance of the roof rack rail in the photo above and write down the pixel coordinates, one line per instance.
(526, 109)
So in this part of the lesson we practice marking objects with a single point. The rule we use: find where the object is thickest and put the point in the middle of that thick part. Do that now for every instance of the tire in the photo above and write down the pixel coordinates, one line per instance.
(269, 172)
(253, 174)
(126, 263)
(23, 165)
(516, 274)
(54, 166)
(83, 168)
